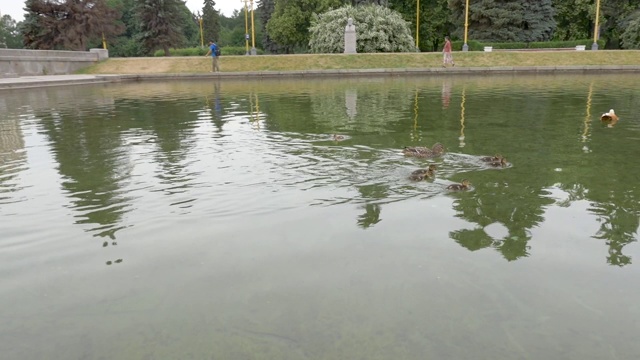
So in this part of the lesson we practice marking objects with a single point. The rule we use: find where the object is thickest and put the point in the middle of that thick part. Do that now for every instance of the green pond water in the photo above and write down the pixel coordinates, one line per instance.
(221, 220)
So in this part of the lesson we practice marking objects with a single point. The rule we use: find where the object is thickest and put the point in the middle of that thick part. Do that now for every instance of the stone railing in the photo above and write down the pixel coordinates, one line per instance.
(19, 62)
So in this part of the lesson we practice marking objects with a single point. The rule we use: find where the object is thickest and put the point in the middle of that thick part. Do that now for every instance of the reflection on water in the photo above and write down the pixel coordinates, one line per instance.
(290, 242)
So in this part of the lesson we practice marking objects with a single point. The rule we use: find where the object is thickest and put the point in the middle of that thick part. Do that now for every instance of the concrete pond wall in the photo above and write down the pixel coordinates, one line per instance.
(20, 62)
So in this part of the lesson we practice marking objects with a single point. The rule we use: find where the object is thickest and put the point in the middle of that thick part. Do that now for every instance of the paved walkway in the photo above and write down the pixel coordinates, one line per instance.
(25, 82)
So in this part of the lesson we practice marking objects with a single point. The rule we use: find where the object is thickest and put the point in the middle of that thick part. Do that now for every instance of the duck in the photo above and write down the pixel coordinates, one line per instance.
(609, 116)
(422, 174)
(438, 149)
(462, 186)
(420, 151)
(495, 158)
(502, 162)
(337, 137)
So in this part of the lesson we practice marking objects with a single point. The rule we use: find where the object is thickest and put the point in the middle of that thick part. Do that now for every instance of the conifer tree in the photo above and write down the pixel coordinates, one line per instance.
(160, 24)
(210, 21)
(505, 20)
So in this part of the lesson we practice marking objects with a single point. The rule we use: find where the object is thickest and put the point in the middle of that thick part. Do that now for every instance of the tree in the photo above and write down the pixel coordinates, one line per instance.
(290, 21)
(538, 23)
(129, 44)
(160, 24)
(505, 20)
(617, 15)
(434, 20)
(69, 24)
(378, 29)
(266, 9)
(574, 19)
(9, 33)
(210, 21)
(631, 35)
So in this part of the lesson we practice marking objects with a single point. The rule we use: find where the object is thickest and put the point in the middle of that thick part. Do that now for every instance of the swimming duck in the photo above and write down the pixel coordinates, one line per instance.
(502, 162)
(420, 151)
(457, 187)
(422, 174)
(609, 116)
(495, 158)
(337, 137)
(438, 149)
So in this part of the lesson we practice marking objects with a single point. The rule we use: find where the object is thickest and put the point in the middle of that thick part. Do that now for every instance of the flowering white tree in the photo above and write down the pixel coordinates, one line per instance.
(378, 29)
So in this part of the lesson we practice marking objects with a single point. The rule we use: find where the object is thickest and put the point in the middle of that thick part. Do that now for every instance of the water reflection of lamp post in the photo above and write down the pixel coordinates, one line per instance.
(587, 120)
(465, 47)
(415, 135)
(464, 97)
(596, 30)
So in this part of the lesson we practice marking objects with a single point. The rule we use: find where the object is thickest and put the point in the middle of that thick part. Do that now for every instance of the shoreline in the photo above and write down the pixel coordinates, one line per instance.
(28, 82)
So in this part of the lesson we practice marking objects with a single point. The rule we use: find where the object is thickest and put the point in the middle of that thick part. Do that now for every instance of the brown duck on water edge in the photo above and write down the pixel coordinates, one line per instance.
(425, 152)
(499, 163)
(458, 187)
(422, 174)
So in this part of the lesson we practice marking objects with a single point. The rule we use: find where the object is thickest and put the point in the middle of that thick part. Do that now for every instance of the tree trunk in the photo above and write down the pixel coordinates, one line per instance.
(166, 50)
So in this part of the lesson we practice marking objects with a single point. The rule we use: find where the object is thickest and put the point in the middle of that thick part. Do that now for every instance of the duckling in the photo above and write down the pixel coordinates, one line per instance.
(437, 149)
(499, 163)
(417, 151)
(420, 151)
(457, 187)
(609, 116)
(422, 174)
(495, 158)
(337, 137)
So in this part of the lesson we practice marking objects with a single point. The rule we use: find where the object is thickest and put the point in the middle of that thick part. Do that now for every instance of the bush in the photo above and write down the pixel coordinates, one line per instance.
(378, 29)
(479, 46)
(198, 51)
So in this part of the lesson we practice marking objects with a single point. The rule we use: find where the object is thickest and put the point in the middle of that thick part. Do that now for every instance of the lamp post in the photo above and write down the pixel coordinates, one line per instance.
(465, 47)
(596, 30)
(417, 24)
(246, 27)
(201, 31)
(253, 32)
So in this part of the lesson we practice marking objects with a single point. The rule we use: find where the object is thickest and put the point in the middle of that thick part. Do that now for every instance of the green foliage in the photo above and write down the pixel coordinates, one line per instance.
(265, 9)
(505, 20)
(631, 35)
(193, 51)
(210, 22)
(199, 51)
(479, 46)
(434, 21)
(9, 33)
(68, 25)
(378, 29)
(574, 18)
(291, 19)
(160, 23)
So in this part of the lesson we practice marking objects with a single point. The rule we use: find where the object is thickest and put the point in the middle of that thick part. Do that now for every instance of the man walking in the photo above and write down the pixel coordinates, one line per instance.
(213, 51)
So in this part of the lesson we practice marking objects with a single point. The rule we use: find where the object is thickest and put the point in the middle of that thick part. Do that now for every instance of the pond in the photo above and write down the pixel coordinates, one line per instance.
(275, 219)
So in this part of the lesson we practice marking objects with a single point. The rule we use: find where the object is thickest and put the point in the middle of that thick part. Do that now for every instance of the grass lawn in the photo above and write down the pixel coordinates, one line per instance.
(159, 65)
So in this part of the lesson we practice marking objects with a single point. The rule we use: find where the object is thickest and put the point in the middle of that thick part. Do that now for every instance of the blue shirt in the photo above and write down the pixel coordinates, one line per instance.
(213, 48)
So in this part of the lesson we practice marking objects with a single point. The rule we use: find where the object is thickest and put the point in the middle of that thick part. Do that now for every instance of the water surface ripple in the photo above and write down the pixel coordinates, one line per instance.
(225, 219)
